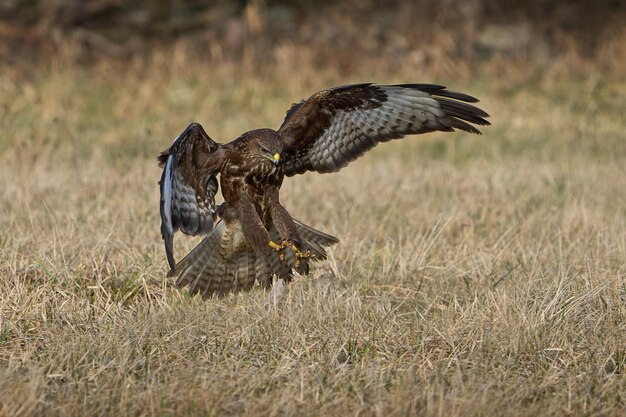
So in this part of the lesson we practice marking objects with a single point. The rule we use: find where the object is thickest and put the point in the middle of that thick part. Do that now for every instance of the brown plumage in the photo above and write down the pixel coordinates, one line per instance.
(256, 238)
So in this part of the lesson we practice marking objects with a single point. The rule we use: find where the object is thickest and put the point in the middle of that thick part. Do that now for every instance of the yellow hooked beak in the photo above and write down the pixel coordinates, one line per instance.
(276, 158)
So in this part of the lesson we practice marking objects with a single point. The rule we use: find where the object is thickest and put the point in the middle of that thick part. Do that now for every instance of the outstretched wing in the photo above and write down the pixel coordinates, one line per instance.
(188, 185)
(336, 126)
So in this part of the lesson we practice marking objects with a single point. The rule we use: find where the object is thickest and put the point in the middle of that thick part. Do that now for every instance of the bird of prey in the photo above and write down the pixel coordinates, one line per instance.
(255, 238)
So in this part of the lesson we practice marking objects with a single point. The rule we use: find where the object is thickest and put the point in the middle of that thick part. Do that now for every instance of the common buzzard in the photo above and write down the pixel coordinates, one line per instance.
(256, 238)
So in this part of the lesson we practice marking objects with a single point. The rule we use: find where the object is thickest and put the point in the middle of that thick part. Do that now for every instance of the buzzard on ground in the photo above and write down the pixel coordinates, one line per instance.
(256, 238)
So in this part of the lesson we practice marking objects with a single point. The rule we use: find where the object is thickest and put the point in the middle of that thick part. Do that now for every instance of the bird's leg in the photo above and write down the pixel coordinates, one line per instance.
(252, 227)
(287, 243)
(287, 229)
(275, 246)
(300, 255)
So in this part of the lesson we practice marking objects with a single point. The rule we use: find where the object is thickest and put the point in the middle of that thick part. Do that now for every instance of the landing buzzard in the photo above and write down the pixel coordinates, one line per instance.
(256, 238)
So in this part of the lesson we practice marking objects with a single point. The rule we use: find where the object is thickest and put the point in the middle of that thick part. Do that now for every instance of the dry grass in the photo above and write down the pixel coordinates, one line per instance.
(475, 275)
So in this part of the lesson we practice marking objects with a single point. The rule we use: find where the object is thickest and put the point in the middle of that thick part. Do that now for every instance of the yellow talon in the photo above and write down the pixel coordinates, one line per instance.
(286, 244)
(299, 253)
(296, 250)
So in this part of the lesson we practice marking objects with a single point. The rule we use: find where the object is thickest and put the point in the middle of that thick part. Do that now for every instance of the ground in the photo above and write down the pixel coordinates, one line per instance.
(476, 275)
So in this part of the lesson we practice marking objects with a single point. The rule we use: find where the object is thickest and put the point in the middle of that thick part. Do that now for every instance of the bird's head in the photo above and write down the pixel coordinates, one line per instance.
(267, 147)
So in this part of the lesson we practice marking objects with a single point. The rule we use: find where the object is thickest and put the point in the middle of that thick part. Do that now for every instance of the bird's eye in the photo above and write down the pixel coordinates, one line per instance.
(264, 149)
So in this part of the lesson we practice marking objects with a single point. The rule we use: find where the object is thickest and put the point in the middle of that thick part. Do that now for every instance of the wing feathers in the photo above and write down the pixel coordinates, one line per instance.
(463, 111)
(262, 273)
(336, 126)
(439, 90)
(188, 185)
(167, 228)
(315, 240)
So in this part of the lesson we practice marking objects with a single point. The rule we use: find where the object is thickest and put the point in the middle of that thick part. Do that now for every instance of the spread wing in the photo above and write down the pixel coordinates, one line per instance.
(334, 127)
(188, 185)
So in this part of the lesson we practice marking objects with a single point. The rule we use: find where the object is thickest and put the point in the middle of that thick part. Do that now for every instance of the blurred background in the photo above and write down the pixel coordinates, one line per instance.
(447, 38)
(227, 61)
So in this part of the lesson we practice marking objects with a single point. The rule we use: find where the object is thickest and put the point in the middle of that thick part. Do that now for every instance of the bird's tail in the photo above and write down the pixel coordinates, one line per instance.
(224, 262)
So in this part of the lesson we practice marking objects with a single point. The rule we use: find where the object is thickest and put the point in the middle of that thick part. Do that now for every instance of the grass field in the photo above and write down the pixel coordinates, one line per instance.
(475, 275)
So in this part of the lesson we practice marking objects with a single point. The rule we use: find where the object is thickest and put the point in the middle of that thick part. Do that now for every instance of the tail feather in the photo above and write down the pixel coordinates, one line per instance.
(188, 269)
(244, 275)
(262, 272)
(224, 262)
(217, 279)
(315, 249)
(315, 240)
(202, 274)
(279, 267)
(309, 234)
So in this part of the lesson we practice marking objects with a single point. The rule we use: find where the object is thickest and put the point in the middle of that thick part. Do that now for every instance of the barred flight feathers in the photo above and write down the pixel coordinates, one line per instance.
(188, 186)
(336, 126)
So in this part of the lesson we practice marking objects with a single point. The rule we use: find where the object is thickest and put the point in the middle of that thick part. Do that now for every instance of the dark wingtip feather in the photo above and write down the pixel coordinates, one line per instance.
(462, 114)
(457, 96)
(168, 239)
(461, 125)
(463, 111)
(454, 104)
(428, 88)
(440, 90)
